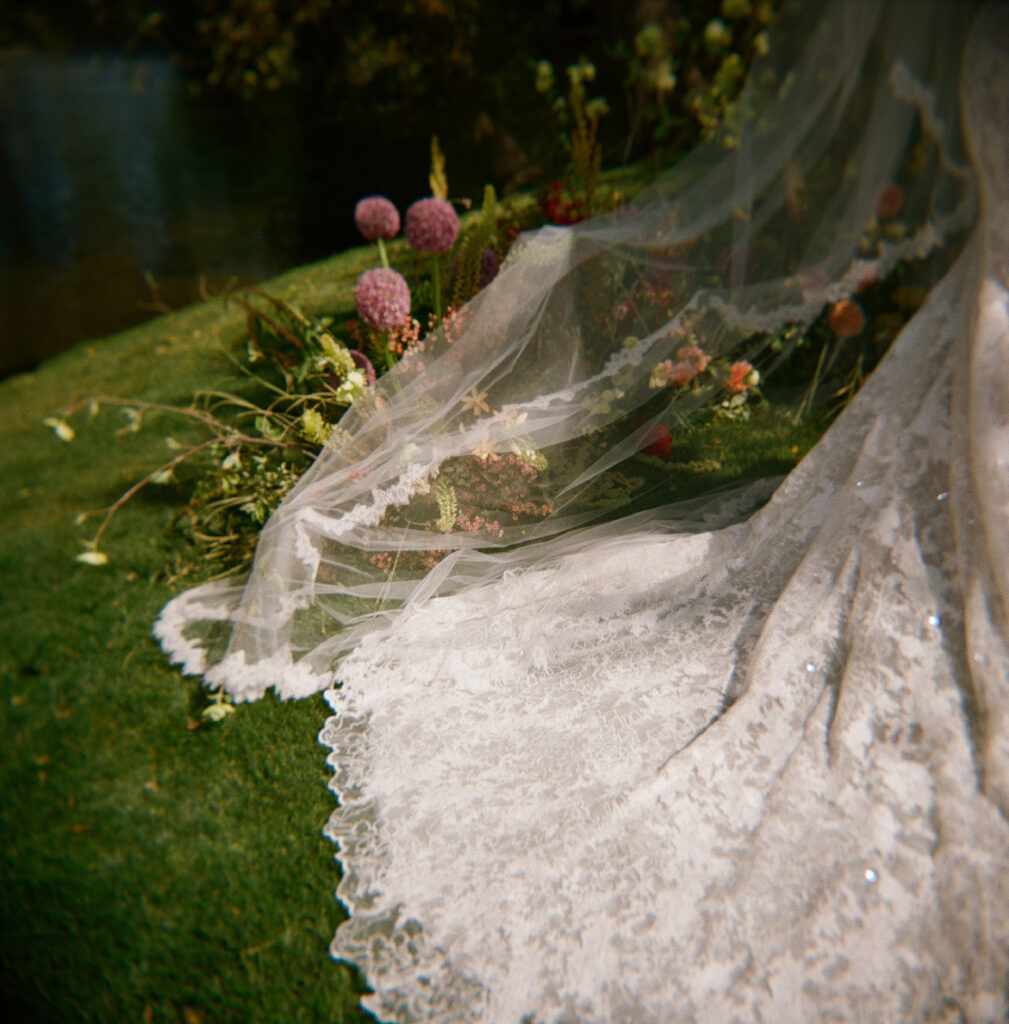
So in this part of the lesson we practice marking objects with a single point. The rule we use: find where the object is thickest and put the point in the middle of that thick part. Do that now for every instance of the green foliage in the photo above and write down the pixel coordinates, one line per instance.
(679, 79)
(575, 118)
(481, 234)
(297, 379)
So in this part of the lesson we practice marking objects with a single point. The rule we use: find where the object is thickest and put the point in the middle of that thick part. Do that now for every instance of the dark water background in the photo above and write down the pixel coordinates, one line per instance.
(110, 170)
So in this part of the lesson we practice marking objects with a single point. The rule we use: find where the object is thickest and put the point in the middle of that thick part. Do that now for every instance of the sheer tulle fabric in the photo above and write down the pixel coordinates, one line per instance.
(559, 349)
(685, 765)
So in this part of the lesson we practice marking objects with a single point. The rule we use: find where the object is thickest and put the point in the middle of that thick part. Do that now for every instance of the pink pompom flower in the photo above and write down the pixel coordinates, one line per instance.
(432, 225)
(382, 297)
(376, 217)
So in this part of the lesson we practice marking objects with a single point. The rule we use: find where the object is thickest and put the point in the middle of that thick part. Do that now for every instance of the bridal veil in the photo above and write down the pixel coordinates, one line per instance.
(605, 759)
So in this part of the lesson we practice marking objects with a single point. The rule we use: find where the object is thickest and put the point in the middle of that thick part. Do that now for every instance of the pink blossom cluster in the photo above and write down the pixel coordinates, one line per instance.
(382, 298)
(478, 523)
(376, 217)
(495, 483)
(405, 336)
(387, 562)
(432, 225)
(453, 323)
(690, 361)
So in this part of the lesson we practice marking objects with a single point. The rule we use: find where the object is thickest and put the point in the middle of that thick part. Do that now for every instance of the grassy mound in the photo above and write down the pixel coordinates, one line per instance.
(153, 871)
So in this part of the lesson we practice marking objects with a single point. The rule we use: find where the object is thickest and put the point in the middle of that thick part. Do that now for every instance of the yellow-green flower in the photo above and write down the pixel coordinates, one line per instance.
(650, 41)
(735, 9)
(544, 76)
(717, 35)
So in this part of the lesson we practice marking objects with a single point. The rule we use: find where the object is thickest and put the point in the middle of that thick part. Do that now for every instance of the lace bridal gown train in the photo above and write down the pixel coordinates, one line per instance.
(643, 773)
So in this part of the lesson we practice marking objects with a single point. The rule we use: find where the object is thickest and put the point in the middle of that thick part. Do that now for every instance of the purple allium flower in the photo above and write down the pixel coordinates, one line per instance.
(376, 217)
(431, 225)
(382, 298)
(489, 266)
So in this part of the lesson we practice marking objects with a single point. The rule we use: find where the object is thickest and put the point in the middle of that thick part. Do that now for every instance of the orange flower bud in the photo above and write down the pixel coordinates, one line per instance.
(846, 319)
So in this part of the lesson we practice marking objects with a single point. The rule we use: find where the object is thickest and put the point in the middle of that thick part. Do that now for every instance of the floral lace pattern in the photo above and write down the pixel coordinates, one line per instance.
(758, 773)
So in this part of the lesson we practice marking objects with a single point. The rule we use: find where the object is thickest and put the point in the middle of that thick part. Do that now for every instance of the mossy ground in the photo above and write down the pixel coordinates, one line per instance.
(154, 871)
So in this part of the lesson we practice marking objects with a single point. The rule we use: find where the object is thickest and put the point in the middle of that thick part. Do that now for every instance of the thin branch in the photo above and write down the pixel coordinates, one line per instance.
(190, 413)
(143, 482)
(157, 303)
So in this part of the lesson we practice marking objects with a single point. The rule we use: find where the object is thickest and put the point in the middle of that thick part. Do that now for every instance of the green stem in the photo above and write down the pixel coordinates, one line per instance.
(382, 253)
(437, 287)
(807, 400)
(390, 360)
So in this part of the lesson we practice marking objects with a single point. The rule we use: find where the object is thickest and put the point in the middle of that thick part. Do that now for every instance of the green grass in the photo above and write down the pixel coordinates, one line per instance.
(154, 871)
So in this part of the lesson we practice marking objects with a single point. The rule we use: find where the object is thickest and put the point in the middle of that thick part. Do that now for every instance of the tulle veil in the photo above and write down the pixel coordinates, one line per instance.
(712, 246)
(580, 735)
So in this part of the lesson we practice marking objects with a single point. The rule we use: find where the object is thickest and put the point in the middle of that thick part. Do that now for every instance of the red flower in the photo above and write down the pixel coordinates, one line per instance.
(558, 209)
(660, 442)
(846, 319)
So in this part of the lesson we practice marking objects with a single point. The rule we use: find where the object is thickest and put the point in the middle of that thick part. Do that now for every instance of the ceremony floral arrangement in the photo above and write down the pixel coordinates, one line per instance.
(300, 373)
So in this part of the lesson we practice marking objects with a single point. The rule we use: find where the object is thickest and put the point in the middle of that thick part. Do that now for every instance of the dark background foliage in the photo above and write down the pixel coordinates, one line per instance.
(387, 56)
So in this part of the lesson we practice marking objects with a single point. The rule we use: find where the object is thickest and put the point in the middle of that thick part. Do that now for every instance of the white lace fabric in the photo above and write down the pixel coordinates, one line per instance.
(582, 831)
(732, 776)
(759, 772)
